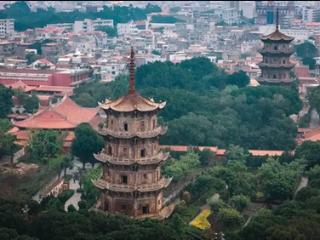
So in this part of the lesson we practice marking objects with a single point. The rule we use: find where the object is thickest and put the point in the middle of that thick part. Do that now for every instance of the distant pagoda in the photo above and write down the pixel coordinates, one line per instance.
(276, 67)
(132, 183)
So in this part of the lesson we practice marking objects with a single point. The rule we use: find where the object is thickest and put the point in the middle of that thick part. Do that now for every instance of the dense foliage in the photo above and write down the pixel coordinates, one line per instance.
(164, 19)
(44, 145)
(307, 51)
(48, 222)
(5, 101)
(25, 18)
(214, 107)
(86, 143)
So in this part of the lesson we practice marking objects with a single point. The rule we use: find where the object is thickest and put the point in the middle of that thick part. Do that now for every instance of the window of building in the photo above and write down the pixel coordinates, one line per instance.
(145, 176)
(109, 150)
(145, 209)
(125, 152)
(125, 126)
(275, 47)
(123, 207)
(142, 126)
(154, 123)
(283, 61)
(142, 152)
(124, 179)
(274, 76)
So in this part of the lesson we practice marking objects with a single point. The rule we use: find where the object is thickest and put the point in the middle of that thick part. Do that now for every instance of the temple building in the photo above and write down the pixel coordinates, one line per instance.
(132, 183)
(64, 116)
(276, 67)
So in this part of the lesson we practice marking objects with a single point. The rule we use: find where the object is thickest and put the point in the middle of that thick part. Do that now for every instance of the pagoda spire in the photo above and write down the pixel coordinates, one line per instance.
(131, 71)
(277, 19)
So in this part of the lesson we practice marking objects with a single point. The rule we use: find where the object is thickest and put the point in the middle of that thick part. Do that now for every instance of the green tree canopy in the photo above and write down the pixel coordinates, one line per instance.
(86, 143)
(306, 50)
(278, 181)
(309, 151)
(44, 145)
(5, 101)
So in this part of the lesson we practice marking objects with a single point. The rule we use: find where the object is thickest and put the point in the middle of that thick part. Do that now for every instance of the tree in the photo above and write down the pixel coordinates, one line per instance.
(86, 143)
(206, 156)
(240, 79)
(110, 31)
(309, 62)
(229, 218)
(278, 181)
(306, 50)
(237, 153)
(180, 167)
(44, 145)
(31, 57)
(31, 104)
(309, 151)
(4, 125)
(5, 101)
(7, 145)
(240, 202)
(314, 98)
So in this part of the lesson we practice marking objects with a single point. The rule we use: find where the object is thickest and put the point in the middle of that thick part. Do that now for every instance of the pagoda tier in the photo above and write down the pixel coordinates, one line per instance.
(140, 134)
(280, 52)
(142, 188)
(156, 159)
(276, 65)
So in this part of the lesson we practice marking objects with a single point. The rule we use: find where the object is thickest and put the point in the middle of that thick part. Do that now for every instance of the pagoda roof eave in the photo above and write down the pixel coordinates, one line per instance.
(131, 103)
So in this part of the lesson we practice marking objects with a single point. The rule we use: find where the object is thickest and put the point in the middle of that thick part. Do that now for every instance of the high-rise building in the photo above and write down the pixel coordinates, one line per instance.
(266, 11)
(132, 182)
(276, 67)
(6, 28)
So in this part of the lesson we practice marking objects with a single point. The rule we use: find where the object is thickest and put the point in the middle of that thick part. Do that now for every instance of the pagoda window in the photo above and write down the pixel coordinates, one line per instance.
(124, 179)
(283, 61)
(145, 209)
(111, 122)
(125, 152)
(154, 123)
(274, 76)
(142, 126)
(125, 126)
(145, 176)
(143, 152)
(109, 151)
(275, 47)
(123, 207)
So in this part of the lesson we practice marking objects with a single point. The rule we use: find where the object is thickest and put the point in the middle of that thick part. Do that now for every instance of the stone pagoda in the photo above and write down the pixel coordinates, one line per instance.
(276, 68)
(131, 183)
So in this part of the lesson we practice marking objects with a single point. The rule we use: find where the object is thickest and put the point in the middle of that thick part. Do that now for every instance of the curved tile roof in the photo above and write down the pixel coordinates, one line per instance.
(277, 36)
(132, 102)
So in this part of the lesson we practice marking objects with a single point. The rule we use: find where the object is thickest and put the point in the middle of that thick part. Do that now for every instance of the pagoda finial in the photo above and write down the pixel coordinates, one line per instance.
(277, 19)
(131, 71)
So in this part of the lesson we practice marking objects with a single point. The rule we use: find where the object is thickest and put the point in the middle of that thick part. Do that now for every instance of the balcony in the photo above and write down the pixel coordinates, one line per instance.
(287, 51)
(103, 157)
(162, 183)
(276, 65)
(127, 134)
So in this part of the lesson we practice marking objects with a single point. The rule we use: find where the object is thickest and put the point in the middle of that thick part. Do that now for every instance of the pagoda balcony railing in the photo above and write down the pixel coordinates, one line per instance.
(162, 183)
(276, 65)
(161, 130)
(289, 50)
(103, 157)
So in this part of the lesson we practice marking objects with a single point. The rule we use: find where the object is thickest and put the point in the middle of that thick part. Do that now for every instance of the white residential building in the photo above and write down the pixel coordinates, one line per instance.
(6, 28)
(89, 25)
